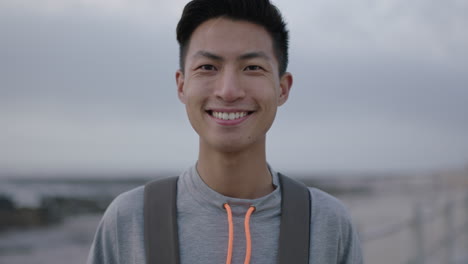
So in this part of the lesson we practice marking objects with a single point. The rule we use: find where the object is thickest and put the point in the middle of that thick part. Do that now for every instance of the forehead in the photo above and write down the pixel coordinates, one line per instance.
(227, 37)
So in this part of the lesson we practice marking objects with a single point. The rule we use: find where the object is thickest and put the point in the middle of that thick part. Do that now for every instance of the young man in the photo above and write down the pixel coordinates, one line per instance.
(232, 79)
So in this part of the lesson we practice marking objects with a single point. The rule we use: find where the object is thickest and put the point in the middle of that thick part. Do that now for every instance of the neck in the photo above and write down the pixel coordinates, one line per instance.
(243, 174)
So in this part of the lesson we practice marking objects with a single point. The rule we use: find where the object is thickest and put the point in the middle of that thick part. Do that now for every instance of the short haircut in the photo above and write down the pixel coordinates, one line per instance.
(260, 12)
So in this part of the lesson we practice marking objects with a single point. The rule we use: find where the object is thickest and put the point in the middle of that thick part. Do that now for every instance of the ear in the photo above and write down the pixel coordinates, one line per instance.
(180, 86)
(286, 82)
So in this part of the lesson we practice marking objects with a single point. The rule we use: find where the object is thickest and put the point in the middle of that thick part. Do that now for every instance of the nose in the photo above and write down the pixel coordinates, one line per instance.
(229, 88)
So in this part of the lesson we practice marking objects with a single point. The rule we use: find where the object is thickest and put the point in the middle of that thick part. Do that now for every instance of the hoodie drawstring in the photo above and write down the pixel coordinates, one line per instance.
(248, 240)
(231, 233)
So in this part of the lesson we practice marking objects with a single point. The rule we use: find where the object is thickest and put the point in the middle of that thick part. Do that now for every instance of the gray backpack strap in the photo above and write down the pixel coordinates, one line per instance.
(294, 237)
(160, 222)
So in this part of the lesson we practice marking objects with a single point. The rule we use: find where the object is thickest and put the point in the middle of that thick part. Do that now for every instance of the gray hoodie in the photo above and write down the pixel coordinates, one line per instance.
(203, 227)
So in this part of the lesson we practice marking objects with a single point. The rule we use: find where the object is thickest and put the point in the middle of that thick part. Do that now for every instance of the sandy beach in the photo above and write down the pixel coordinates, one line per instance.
(65, 243)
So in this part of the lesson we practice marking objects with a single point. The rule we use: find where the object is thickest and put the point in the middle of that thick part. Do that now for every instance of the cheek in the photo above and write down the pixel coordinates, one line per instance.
(266, 95)
(265, 86)
(198, 88)
(196, 96)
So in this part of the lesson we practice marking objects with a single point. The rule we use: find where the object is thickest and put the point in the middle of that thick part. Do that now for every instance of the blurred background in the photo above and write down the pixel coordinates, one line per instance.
(378, 115)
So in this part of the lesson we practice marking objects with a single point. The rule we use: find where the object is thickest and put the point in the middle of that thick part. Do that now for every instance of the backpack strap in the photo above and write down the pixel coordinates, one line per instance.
(294, 236)
(162, 239)
(160, 221)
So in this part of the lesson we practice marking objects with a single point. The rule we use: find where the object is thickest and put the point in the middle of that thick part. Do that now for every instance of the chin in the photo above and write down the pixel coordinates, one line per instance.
(232, 145)
(229, 147)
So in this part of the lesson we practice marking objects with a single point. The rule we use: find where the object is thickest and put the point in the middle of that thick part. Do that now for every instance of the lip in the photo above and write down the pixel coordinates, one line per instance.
(229, 122)
(228, 110)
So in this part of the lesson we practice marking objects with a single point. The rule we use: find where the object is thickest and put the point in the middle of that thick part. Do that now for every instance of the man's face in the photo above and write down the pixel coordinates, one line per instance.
(230, 85)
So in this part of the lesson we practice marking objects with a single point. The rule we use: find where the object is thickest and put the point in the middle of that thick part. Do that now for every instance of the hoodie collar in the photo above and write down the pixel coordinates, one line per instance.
(202, 193)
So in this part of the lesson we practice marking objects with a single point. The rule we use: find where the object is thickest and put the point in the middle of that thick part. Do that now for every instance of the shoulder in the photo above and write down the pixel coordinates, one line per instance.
(129, 198)
(329, 211)
(126, 205)
(331, 226)
(327, 203)
(120, 230)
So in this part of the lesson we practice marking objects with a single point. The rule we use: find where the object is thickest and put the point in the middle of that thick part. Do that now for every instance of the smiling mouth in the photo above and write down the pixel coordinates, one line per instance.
(228, 115)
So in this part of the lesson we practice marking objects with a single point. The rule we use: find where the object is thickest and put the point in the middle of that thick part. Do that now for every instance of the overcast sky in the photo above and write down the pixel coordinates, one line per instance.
(88, 86)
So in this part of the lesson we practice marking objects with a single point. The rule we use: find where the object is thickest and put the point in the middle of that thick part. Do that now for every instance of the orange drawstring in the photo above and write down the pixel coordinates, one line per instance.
(248, 250)
(231, 233)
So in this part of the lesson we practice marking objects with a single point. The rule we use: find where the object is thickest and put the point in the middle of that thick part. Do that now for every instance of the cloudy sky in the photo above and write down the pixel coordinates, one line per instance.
(88, 86)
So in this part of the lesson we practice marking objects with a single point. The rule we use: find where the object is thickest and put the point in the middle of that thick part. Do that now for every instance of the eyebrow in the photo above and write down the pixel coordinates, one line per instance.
(209, 55)
(253, 55)
(246, 56)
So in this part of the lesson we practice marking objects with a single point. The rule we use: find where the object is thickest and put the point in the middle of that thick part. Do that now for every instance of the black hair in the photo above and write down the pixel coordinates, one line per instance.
(260, 12)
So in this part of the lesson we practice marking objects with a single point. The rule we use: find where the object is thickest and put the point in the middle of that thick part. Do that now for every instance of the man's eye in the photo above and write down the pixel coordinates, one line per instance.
(253, 68)
(207, 67)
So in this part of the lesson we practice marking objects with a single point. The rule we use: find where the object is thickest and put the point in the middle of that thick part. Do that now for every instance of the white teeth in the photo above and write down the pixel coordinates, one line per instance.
(229, 116)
